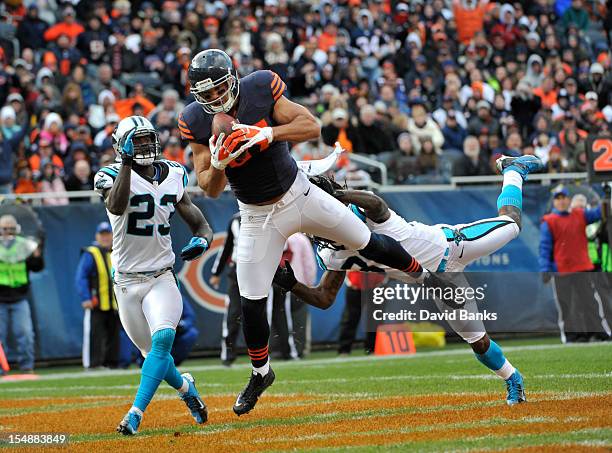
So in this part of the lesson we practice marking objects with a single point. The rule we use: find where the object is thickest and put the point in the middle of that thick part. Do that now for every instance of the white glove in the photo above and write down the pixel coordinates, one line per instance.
(215, 144)
(255, 135)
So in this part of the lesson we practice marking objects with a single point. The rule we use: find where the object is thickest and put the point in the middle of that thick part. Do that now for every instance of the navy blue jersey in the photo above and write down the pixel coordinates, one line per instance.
(260, 173)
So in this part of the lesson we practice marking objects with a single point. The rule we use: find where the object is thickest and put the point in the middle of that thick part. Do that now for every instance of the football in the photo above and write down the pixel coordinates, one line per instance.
(222, 123)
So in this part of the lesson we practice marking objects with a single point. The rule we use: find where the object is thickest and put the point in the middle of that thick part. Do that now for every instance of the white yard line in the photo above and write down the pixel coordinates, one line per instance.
(307, 363)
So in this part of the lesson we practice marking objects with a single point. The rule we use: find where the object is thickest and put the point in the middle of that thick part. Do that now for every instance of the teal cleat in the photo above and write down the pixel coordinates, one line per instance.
(516, 389)
(193, 401)
(130, 423)
(523, 164)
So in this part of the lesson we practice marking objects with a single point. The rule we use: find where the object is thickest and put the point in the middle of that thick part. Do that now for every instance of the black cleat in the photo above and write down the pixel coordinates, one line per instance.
(247, 399)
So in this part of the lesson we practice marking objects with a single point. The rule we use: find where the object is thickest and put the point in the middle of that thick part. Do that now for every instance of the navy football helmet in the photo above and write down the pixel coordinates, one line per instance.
(214, 81)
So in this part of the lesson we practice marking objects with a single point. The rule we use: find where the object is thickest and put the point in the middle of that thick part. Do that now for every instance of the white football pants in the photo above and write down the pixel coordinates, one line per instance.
(146, 305)
(264, 229)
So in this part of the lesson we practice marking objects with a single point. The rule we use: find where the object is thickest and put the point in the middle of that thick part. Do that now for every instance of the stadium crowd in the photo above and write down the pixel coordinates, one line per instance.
(431, 88)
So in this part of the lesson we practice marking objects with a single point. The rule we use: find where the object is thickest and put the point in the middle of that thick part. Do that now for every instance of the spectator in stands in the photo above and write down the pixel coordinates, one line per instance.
(563, 249)
(546, 92)
(51, 183)
(31, 30)
(373, 138)
(174, 151)
(469, 17)
(69, 27)
(44, 153)
(506, 28)
(72, 100)
(483, 119)
(94, 287)
(403, 164)
(524, 107)
(169, 104)
(575, 15)
(599, 84)
(428, 160)
(19, 257)
(472, 162)
(8, 150)
(340, 130)
(135, 104)
(93, 42)
(25, 181)
(105, 81)
(8, 122)
(112, 119)
(53, 132)
(16, 101)
(420, 125)
(535, 73)
(454, 135)
(81, 178)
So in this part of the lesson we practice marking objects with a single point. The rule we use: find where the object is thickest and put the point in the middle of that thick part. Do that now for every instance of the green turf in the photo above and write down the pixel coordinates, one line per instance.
(547, 366)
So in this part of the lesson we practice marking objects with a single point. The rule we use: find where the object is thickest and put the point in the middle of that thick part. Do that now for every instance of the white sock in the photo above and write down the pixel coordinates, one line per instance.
(262, 370)
(513, 178)
(135, 410)
(185, 386)
(505, 371)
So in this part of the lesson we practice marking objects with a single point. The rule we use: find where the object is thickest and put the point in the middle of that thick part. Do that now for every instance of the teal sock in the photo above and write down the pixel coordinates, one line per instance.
(494, 357)
(173, 376)
(510, 196)
(155, 367)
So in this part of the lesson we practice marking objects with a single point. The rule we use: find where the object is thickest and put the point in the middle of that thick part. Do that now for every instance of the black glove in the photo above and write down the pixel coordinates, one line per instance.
(326, 184)
(546, 277)
(284, 277)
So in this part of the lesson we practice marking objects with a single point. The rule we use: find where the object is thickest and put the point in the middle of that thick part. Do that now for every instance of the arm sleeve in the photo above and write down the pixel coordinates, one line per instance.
(183, 179)
(225, 254)
(81, 280)
(52, 33)
(546, 249)
(270, 86)
(592, 215)
(185, 130)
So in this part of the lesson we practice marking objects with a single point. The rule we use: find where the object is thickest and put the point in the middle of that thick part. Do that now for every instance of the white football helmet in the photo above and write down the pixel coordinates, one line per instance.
(147, 147)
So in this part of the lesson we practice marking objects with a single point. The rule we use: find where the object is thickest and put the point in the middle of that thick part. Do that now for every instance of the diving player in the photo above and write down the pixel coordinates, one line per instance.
(447, 248)
(275, 199)
(141, 194)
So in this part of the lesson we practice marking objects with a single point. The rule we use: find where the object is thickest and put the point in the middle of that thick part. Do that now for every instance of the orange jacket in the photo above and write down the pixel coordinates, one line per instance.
(35, 162)
(468, 21)
(26, 186)
(72, 30)
(326, 41)
(125, 107)
(548, 99)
